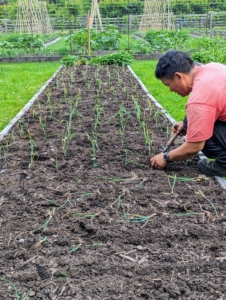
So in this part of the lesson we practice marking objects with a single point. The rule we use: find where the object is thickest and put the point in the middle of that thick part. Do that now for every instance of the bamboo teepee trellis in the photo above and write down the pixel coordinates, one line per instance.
(157, 14)
(95, 13)
(32, 17)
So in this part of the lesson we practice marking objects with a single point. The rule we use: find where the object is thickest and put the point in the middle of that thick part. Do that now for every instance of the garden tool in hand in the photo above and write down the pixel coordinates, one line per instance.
(170, 142)
(172, 139)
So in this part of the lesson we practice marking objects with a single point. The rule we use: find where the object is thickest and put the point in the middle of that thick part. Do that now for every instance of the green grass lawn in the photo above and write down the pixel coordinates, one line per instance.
(173, 103)
(58, 48)
(19, 83)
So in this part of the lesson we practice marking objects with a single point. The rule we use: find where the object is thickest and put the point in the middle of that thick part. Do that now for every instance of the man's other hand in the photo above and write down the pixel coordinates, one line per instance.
(158, 161)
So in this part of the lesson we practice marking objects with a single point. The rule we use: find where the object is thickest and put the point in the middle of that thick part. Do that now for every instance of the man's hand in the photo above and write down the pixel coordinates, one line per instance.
(158, 161)
(179, 128)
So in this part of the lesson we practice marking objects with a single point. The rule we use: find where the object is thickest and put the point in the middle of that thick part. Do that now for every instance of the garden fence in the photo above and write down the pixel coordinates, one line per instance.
(127, 15)
(210, 21)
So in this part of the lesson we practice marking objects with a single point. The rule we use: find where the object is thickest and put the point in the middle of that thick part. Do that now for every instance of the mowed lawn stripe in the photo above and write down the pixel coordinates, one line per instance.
(19, 83)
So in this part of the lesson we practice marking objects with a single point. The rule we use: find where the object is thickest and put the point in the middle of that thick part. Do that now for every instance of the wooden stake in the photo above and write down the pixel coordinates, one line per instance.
(88, 27)
(95, 11)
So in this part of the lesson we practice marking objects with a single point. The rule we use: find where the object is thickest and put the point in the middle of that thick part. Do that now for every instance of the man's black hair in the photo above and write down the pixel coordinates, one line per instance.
(171, 62)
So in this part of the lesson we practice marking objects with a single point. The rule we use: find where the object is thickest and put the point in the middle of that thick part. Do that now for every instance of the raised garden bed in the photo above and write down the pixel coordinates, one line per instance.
(82, 213)
(41, 58)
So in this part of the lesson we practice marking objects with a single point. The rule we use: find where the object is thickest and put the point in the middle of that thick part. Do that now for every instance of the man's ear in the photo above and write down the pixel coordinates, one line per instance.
(178, 75)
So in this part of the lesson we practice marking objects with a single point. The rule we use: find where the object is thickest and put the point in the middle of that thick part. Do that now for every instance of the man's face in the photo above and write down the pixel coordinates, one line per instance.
(177, 84)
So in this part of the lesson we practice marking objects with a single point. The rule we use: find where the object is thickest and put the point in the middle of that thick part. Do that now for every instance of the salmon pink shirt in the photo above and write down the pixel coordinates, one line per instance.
(206, 102)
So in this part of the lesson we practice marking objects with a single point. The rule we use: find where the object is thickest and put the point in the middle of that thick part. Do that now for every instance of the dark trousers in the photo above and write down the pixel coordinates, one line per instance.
(215, 147)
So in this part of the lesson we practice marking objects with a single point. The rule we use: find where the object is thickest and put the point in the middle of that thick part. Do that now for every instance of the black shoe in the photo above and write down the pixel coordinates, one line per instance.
(211, 168)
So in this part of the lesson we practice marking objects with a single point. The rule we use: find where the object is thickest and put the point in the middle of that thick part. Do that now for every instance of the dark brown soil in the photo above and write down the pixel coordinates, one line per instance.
(75, 224)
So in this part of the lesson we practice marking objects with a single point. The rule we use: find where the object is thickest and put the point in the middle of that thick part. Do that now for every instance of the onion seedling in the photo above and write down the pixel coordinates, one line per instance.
(75, 248)
(65, 91)
(200, 192)
(57, 83)
(186, 214)
(21, 127)
(147, 139)
(118, 76)
(48, 94)
(188, 179)
(127, 161)
(118, 201)
(63, 273)
(71, 76)
(18, 297)
(173, 184)
(84, 194)
(114, 179)
(90, 245)
(43, 226)
(99, 83)
(2, 152)
(39, 243)
(175, 179)
(137, 108)
(32, 146)
(157, 116)
(68, 136)
(95, 245)
(136, 218)
(122, 119)
(109, 75)
(80, 215)
(98, 110)
(43, 124)
(51, 110)
(94, 146)
(51, 214)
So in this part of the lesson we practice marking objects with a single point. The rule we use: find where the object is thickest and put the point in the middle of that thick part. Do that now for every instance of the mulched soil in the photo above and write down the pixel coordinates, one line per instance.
(83, 215)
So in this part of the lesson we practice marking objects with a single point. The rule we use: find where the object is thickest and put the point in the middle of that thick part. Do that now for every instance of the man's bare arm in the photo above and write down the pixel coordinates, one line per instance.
(185, 151)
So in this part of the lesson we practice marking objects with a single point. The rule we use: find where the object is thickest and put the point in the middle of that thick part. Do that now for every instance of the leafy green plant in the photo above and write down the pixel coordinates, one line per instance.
(161, 40)
(121, 58)
(78, 41)
(108, 39)
(31, 41)
(69, 60)
(24, 44)
(141, 48)
(208, 49)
